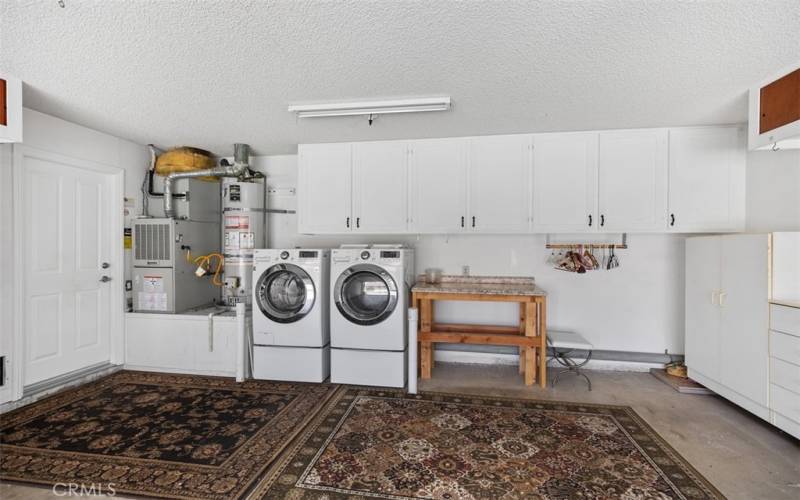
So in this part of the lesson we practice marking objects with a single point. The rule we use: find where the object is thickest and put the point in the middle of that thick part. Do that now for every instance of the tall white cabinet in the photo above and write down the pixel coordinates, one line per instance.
(738, 340)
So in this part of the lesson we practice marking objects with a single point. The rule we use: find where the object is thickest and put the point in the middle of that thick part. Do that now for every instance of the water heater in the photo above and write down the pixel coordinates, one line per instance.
(244, 228)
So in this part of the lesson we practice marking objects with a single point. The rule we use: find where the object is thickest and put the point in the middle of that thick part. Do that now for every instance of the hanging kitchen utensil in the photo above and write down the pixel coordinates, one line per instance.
(613, 262)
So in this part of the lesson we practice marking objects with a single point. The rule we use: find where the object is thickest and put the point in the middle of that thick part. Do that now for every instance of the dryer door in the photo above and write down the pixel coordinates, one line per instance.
(285, 293)
(365, 294)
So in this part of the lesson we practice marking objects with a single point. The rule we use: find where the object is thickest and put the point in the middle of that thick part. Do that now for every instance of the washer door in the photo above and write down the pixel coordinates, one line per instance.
(365, 294)
(285, 293)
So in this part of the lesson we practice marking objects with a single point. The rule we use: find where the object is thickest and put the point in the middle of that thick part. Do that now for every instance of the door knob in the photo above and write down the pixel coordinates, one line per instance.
(105, 265)
(105, 279)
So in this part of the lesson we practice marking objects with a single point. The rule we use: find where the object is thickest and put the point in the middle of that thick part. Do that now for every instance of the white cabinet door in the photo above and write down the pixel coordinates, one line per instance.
(324, 188)
(499, 183)
(632, 180)
(380, 178)
(703, 283)
(706, 179)
(438, 185)
(744, 345)
(565, 182)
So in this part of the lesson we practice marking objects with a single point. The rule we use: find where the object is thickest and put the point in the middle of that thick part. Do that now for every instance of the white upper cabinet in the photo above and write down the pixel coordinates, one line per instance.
(565, 182)
(324, 188)
(500, 184)
(438, 185)
(632, 180)
(380, 181)
(706, 179)
(645, 180)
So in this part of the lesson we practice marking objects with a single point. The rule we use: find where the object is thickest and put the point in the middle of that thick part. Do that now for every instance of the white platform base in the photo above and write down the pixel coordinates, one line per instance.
(364, 367)
(291, 364)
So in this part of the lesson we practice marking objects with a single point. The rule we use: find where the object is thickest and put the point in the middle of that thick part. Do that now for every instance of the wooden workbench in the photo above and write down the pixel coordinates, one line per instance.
(530, 336)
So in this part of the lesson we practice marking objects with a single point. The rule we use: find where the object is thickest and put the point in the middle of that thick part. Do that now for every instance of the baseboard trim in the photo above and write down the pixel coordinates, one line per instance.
(489, 358)
(211, 373)
(34, 392)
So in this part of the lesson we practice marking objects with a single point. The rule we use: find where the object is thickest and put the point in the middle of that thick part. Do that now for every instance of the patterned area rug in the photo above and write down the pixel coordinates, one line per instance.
(171, 436)
(382, 444)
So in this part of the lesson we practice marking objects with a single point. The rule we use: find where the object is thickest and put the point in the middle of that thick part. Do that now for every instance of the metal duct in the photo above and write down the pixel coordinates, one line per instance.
(239, 167)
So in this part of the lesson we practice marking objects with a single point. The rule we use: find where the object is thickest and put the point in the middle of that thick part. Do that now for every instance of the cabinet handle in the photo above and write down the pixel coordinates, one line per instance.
(462, 221)
(602, 220)
(348, 222)
(671, 220)
(473, 221)
(590, 220)
(358, 222)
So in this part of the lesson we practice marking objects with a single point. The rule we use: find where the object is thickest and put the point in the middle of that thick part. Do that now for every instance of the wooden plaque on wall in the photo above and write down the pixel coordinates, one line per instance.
(3, 104)
(780, 102)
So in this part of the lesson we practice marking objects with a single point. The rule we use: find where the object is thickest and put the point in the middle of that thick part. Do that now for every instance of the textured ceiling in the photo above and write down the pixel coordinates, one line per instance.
(213, 73)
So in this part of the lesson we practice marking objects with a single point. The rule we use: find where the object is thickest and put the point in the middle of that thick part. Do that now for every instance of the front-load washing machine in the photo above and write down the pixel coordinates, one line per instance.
(369, 316)
(290, 315)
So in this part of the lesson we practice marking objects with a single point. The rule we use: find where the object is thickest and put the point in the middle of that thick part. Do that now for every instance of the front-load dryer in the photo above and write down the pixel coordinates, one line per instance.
(369, 315)
(291, 314)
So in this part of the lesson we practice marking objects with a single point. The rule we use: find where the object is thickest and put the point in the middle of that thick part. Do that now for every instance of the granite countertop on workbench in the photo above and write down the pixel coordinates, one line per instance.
(480, 285)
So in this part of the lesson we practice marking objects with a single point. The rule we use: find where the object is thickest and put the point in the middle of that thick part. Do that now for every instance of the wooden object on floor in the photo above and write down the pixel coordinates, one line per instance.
(680, 384)
(530, 336)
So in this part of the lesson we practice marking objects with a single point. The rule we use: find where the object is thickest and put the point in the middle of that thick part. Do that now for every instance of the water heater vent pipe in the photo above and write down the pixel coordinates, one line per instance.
(239, 168)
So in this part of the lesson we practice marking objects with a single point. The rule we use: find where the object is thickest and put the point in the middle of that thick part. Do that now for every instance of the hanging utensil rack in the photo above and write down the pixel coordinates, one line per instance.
(617, 246)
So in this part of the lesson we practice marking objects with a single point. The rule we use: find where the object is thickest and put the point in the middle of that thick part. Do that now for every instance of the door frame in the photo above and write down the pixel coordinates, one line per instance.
(117, 252)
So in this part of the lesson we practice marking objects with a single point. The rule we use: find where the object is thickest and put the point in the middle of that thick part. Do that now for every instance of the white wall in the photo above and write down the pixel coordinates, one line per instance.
(773, 191)
(637, 308)
(68, 139)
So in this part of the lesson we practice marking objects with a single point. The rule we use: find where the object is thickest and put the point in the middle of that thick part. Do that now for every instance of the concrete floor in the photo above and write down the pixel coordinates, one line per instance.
(743, 456)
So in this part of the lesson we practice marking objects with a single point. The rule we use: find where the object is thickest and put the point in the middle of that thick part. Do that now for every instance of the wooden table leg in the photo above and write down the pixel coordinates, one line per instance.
(543, 338)
(522, 332)
(426, 348)
(530, 352)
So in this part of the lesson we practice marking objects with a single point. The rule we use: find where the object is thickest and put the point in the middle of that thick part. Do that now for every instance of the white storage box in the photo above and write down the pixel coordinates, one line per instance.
(365, 367)
(295, 364)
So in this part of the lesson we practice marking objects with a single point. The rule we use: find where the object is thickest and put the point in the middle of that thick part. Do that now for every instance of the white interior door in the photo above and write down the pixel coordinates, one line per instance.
(706, 179)
(703, 314)
(499, 179)
(632, 180)
(66, 230)
(744, 345)
(324, 188)
(565, 182)
(380, 201)
(438, 185)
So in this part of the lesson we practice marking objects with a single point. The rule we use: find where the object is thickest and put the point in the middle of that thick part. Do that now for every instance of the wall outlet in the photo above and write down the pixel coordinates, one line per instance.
(465, 270)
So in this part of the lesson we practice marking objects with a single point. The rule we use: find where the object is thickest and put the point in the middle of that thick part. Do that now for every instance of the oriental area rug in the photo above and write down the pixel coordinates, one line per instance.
(179, 436)
(161, 435)
(369, 443)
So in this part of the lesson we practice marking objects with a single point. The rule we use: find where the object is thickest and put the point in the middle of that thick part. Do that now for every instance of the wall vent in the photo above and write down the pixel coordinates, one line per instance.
(152, 242)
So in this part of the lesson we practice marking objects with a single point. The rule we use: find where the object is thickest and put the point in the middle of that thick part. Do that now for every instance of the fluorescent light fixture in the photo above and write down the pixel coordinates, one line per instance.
(376, 107)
